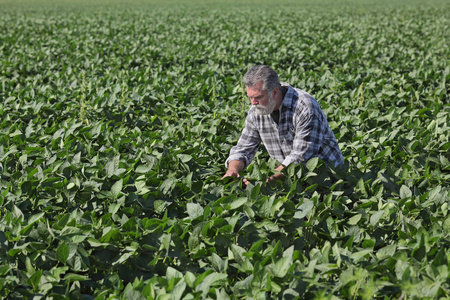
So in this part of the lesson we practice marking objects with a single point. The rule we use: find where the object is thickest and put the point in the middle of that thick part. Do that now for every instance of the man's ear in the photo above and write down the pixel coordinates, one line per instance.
(275, 92)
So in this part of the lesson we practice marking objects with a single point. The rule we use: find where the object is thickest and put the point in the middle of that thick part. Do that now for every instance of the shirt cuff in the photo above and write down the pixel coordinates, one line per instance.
(289, 160)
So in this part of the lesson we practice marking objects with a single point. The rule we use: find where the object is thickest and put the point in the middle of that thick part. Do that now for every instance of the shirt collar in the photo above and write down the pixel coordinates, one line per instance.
(290, 95)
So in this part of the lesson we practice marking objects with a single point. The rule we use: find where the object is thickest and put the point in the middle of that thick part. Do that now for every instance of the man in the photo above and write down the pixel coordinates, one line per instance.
(287, 120)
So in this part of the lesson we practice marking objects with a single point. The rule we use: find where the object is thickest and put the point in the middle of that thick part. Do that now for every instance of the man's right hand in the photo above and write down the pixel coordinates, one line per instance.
(234, 167)
(231, 173)
(245, 182)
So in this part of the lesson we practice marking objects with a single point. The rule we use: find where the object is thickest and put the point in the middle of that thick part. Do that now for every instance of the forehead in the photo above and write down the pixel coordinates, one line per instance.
(256, 90)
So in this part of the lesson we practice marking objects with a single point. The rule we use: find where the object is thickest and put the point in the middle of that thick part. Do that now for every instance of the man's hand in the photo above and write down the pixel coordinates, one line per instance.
(234, 167)
(245, 182)
(231, 173)
(277, 176)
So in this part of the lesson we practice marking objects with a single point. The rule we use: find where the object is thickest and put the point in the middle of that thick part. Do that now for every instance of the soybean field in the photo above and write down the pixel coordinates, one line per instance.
(116, 118)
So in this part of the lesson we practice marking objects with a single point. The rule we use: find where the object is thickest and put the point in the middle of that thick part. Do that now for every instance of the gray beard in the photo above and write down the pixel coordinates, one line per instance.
(265, 110)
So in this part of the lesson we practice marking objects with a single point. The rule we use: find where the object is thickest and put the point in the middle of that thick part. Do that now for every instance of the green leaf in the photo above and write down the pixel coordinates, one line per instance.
(434, 193)
(304, 209)
(312, 163)
(29, 267)
(375, 218)
(23, 159)
(255, 191)
(405, 192)
(108, 234)
(194, 210)
(236, 203)
(185, 157)
(360, 187)
(110, 167)
(57, 271)
(161, 205)
(95, 243)
(35, 217)
(62, 253)
(122, 258)
(168, 185)
(189, 278)
(243, 263)
(402, 270)
(143, 169)
(165, 242)
(189, 180)
(178, 290)
(71, 277)
(4, 269)
(194, 240)
(173, 273)
(355, 219)
(346, 277)
(281, 267)
(35, 280)
(445, 162)
(218, 264)
(386, 252)
(446, 225)
(210, 280)
(117, 188)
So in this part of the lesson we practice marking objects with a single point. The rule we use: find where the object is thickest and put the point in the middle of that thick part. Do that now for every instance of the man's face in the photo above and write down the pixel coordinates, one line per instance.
(260, 99)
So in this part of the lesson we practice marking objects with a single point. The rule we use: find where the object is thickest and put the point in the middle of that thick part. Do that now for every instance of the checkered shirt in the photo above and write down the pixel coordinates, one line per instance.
(302, 133)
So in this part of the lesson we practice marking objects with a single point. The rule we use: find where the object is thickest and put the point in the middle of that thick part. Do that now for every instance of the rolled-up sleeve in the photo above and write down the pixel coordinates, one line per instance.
(307, 141)
(247, 145)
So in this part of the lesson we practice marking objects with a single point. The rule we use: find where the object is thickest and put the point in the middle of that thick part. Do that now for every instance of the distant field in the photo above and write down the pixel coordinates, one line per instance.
(116, 118)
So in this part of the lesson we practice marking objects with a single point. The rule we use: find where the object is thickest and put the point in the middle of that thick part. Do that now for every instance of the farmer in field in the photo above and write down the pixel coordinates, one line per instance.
(287, 120)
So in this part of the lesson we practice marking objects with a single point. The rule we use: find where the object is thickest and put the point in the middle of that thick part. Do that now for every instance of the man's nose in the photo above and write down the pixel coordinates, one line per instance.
(254, 101)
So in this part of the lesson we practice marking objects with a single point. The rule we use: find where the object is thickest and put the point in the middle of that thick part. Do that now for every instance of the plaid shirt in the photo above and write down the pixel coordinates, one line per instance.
(302, 133)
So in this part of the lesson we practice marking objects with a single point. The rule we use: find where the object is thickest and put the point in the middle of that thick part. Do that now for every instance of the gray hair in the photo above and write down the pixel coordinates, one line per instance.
(264, 74)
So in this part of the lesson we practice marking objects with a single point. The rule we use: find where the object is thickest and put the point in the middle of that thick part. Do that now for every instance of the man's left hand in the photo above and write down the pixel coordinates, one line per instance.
(277, 176)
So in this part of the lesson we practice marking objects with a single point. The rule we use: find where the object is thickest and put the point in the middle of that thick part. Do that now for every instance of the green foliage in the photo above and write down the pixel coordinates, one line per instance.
(116, 121)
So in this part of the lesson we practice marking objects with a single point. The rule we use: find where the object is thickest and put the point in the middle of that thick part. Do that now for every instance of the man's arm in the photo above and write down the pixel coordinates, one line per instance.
(234, 167)
(307, 141)
(243, 153)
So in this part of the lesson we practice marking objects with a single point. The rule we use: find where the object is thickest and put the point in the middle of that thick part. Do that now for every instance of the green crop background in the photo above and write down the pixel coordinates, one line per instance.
(116, 118)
